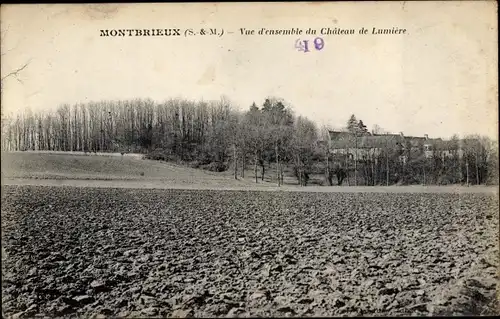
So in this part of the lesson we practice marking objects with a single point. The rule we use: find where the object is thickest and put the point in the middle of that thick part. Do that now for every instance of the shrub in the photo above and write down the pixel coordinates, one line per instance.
(194, 164)
(160, 155)
(215, 167)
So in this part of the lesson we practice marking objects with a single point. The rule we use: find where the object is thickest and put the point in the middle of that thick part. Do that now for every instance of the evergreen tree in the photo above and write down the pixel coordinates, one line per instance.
(352, 124)
(362, 128)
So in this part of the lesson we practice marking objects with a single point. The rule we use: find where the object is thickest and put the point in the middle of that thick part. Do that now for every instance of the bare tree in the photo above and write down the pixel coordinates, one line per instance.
(325, 148)
(12, 73)
(15, 73)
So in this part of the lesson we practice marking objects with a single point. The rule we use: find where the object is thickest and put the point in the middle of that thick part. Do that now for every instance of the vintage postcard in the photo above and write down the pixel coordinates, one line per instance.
(301, 159)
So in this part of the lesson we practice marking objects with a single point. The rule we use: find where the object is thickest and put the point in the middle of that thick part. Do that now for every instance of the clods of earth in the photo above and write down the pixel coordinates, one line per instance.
(73, 252)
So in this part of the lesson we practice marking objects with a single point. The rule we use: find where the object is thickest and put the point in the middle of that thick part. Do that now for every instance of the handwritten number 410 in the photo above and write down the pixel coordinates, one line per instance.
(303, 45)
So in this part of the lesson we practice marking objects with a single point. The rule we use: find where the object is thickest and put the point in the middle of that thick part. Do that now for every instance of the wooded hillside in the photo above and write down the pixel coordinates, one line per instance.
(216, 136)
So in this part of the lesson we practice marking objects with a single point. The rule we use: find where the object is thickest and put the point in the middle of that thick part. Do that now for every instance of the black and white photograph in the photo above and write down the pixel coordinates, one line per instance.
(260, 159)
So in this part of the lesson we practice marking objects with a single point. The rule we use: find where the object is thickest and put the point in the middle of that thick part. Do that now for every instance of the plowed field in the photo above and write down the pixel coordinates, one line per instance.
(71, 251)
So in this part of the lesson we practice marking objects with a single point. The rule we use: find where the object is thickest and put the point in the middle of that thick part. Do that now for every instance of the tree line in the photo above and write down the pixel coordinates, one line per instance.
(269, 138)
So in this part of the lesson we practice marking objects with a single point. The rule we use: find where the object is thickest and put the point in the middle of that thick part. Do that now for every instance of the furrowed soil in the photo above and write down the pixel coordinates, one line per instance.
(73, 252)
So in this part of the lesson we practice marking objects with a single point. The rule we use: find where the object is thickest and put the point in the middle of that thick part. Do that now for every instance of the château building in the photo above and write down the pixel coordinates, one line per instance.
(370, 146)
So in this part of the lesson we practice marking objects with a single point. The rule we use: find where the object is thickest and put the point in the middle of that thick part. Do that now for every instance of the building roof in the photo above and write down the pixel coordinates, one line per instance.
(343, 140)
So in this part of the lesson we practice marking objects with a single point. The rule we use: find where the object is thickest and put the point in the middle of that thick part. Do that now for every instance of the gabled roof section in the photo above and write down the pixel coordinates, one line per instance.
(348, 140)
(344, 140)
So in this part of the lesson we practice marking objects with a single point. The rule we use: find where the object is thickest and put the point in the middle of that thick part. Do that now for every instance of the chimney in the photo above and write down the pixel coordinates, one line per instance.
(426, 136)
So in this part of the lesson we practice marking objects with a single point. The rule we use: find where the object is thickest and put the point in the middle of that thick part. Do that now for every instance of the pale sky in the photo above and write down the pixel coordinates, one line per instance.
(439, 78)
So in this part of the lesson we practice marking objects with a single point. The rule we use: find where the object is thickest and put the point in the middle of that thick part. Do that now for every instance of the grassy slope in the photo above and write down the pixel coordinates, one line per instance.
(62, 166)
(111, 166)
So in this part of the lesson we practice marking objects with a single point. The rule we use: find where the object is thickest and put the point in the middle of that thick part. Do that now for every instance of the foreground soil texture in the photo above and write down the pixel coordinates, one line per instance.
(94, 252)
